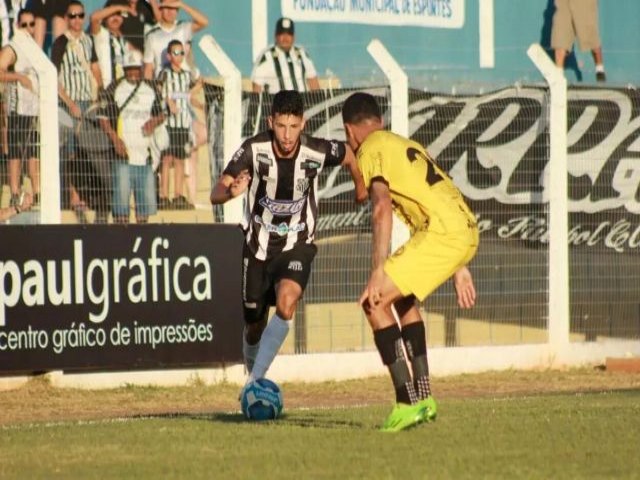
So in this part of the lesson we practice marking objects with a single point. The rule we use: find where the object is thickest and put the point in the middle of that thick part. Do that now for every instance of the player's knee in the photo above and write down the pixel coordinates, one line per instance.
(286, 306)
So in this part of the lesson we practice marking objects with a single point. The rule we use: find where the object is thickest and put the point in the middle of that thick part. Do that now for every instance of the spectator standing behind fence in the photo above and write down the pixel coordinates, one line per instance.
(169, 28)
(23, 132)
(283, 65)
(7, 213)
(9, 10)
(49, 13)
(577, 18)
(79, 80)
(110, 43)
(145, 14)
(133, 111)
(176, 84)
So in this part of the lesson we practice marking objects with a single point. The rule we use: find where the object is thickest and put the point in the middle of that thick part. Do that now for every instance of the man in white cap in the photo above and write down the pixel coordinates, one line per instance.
(284, 65)
(133, 111)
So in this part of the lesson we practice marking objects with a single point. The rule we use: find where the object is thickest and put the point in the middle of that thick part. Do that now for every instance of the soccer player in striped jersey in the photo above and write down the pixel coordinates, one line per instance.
(279, 169)
(401, 177)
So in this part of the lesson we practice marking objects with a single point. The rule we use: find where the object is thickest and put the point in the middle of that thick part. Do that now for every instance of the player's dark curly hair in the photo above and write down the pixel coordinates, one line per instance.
(288, 102)
(360, 106)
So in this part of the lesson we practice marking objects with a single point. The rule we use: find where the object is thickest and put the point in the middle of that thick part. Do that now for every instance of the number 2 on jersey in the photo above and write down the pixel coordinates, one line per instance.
(434, 174)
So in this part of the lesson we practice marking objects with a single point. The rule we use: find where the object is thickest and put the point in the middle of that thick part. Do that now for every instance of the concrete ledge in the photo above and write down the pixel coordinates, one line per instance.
(318, 367)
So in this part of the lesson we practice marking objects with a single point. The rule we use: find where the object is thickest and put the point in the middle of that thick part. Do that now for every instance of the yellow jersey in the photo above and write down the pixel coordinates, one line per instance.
(423, 195)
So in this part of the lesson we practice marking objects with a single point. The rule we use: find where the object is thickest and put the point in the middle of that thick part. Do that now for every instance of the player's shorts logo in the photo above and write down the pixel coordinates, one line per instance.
(295, 265)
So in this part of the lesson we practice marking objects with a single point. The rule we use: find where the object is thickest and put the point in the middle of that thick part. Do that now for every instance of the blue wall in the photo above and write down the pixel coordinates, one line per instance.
(435, 57)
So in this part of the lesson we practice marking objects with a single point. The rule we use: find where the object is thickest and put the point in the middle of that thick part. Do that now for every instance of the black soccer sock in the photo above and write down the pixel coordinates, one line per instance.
(389, 343)
(415, 342)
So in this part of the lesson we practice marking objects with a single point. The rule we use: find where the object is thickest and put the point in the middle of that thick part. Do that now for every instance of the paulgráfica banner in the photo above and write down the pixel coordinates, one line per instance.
(119, 297)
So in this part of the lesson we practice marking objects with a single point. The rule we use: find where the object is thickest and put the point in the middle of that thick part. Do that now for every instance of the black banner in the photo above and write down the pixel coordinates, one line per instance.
(119, 297)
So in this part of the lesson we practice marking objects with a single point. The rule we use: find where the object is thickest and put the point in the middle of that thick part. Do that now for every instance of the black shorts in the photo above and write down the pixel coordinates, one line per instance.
(49, 8)
(179, 142)
(259, 278)
(23, 136)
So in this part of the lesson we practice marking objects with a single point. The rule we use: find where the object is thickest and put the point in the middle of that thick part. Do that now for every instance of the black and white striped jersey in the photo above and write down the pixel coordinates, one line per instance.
(277, 70)
(281, 208)
(72, 58)
(176, 85)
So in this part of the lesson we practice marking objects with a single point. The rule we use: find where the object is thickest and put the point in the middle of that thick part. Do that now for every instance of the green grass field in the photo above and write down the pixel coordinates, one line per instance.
(555, 436)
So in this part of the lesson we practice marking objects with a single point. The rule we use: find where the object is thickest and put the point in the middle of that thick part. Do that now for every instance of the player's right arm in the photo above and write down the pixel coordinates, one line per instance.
(381, 224)
(236, 176)
(228, 187)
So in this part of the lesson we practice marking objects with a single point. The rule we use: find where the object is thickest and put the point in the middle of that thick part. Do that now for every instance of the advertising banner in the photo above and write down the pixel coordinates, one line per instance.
(119, 297)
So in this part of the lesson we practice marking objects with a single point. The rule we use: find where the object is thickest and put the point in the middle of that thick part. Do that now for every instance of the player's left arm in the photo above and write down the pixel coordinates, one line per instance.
(465, 290)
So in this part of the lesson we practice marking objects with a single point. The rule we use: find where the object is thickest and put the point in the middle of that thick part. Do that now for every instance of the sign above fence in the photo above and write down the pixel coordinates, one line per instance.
(111, 297)
(417, 13)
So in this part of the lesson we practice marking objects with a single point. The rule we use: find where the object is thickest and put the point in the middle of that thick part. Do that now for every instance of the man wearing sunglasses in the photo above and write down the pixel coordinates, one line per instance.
(74, 56)
(22, 124)
(170, 28)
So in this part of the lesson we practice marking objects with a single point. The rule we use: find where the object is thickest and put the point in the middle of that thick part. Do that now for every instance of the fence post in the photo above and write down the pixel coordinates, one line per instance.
(558, 302)
(48, 124)
(399, 83)
(232, 122)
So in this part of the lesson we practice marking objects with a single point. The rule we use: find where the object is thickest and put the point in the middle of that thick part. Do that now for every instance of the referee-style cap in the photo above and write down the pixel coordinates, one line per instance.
(284, 25)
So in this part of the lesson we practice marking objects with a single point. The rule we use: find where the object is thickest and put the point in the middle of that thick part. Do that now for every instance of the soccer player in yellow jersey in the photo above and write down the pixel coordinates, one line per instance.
(401, 177)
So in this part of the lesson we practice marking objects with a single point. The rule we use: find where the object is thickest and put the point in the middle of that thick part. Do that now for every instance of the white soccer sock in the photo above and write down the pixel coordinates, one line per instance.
(600, 67)
(272, 339)
(249, 352)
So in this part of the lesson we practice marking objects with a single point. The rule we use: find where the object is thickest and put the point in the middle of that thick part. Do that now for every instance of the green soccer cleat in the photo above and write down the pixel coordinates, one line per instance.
(403, 416)
(430, 408)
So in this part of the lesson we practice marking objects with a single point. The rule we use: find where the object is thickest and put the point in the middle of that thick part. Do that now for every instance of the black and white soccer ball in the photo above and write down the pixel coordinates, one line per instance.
(261, 400)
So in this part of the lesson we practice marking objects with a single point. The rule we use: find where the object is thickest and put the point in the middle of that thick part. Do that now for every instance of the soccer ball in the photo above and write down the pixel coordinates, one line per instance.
(261, 400)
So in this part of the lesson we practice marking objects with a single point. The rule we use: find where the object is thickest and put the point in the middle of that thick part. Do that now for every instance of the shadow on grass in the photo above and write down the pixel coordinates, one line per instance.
(297, 419)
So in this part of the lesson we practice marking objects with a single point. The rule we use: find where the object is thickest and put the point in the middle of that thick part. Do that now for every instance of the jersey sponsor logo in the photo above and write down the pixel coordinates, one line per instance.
(309, 164)
(282, 207)
(302, 185)
(264, 158)
(280, 229)
(295, 265)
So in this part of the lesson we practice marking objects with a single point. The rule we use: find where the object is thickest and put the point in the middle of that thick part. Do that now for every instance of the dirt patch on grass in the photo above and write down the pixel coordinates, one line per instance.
(38, 402)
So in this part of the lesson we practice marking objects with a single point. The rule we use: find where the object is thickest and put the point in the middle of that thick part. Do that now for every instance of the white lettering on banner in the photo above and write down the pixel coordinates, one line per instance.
(105, 279)
(417, 13)
(489, 144)
(91, 336)
(621, 235)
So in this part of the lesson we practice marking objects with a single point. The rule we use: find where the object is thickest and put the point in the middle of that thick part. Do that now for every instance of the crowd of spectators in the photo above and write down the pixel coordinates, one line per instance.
(97, 59)
(124, 71)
